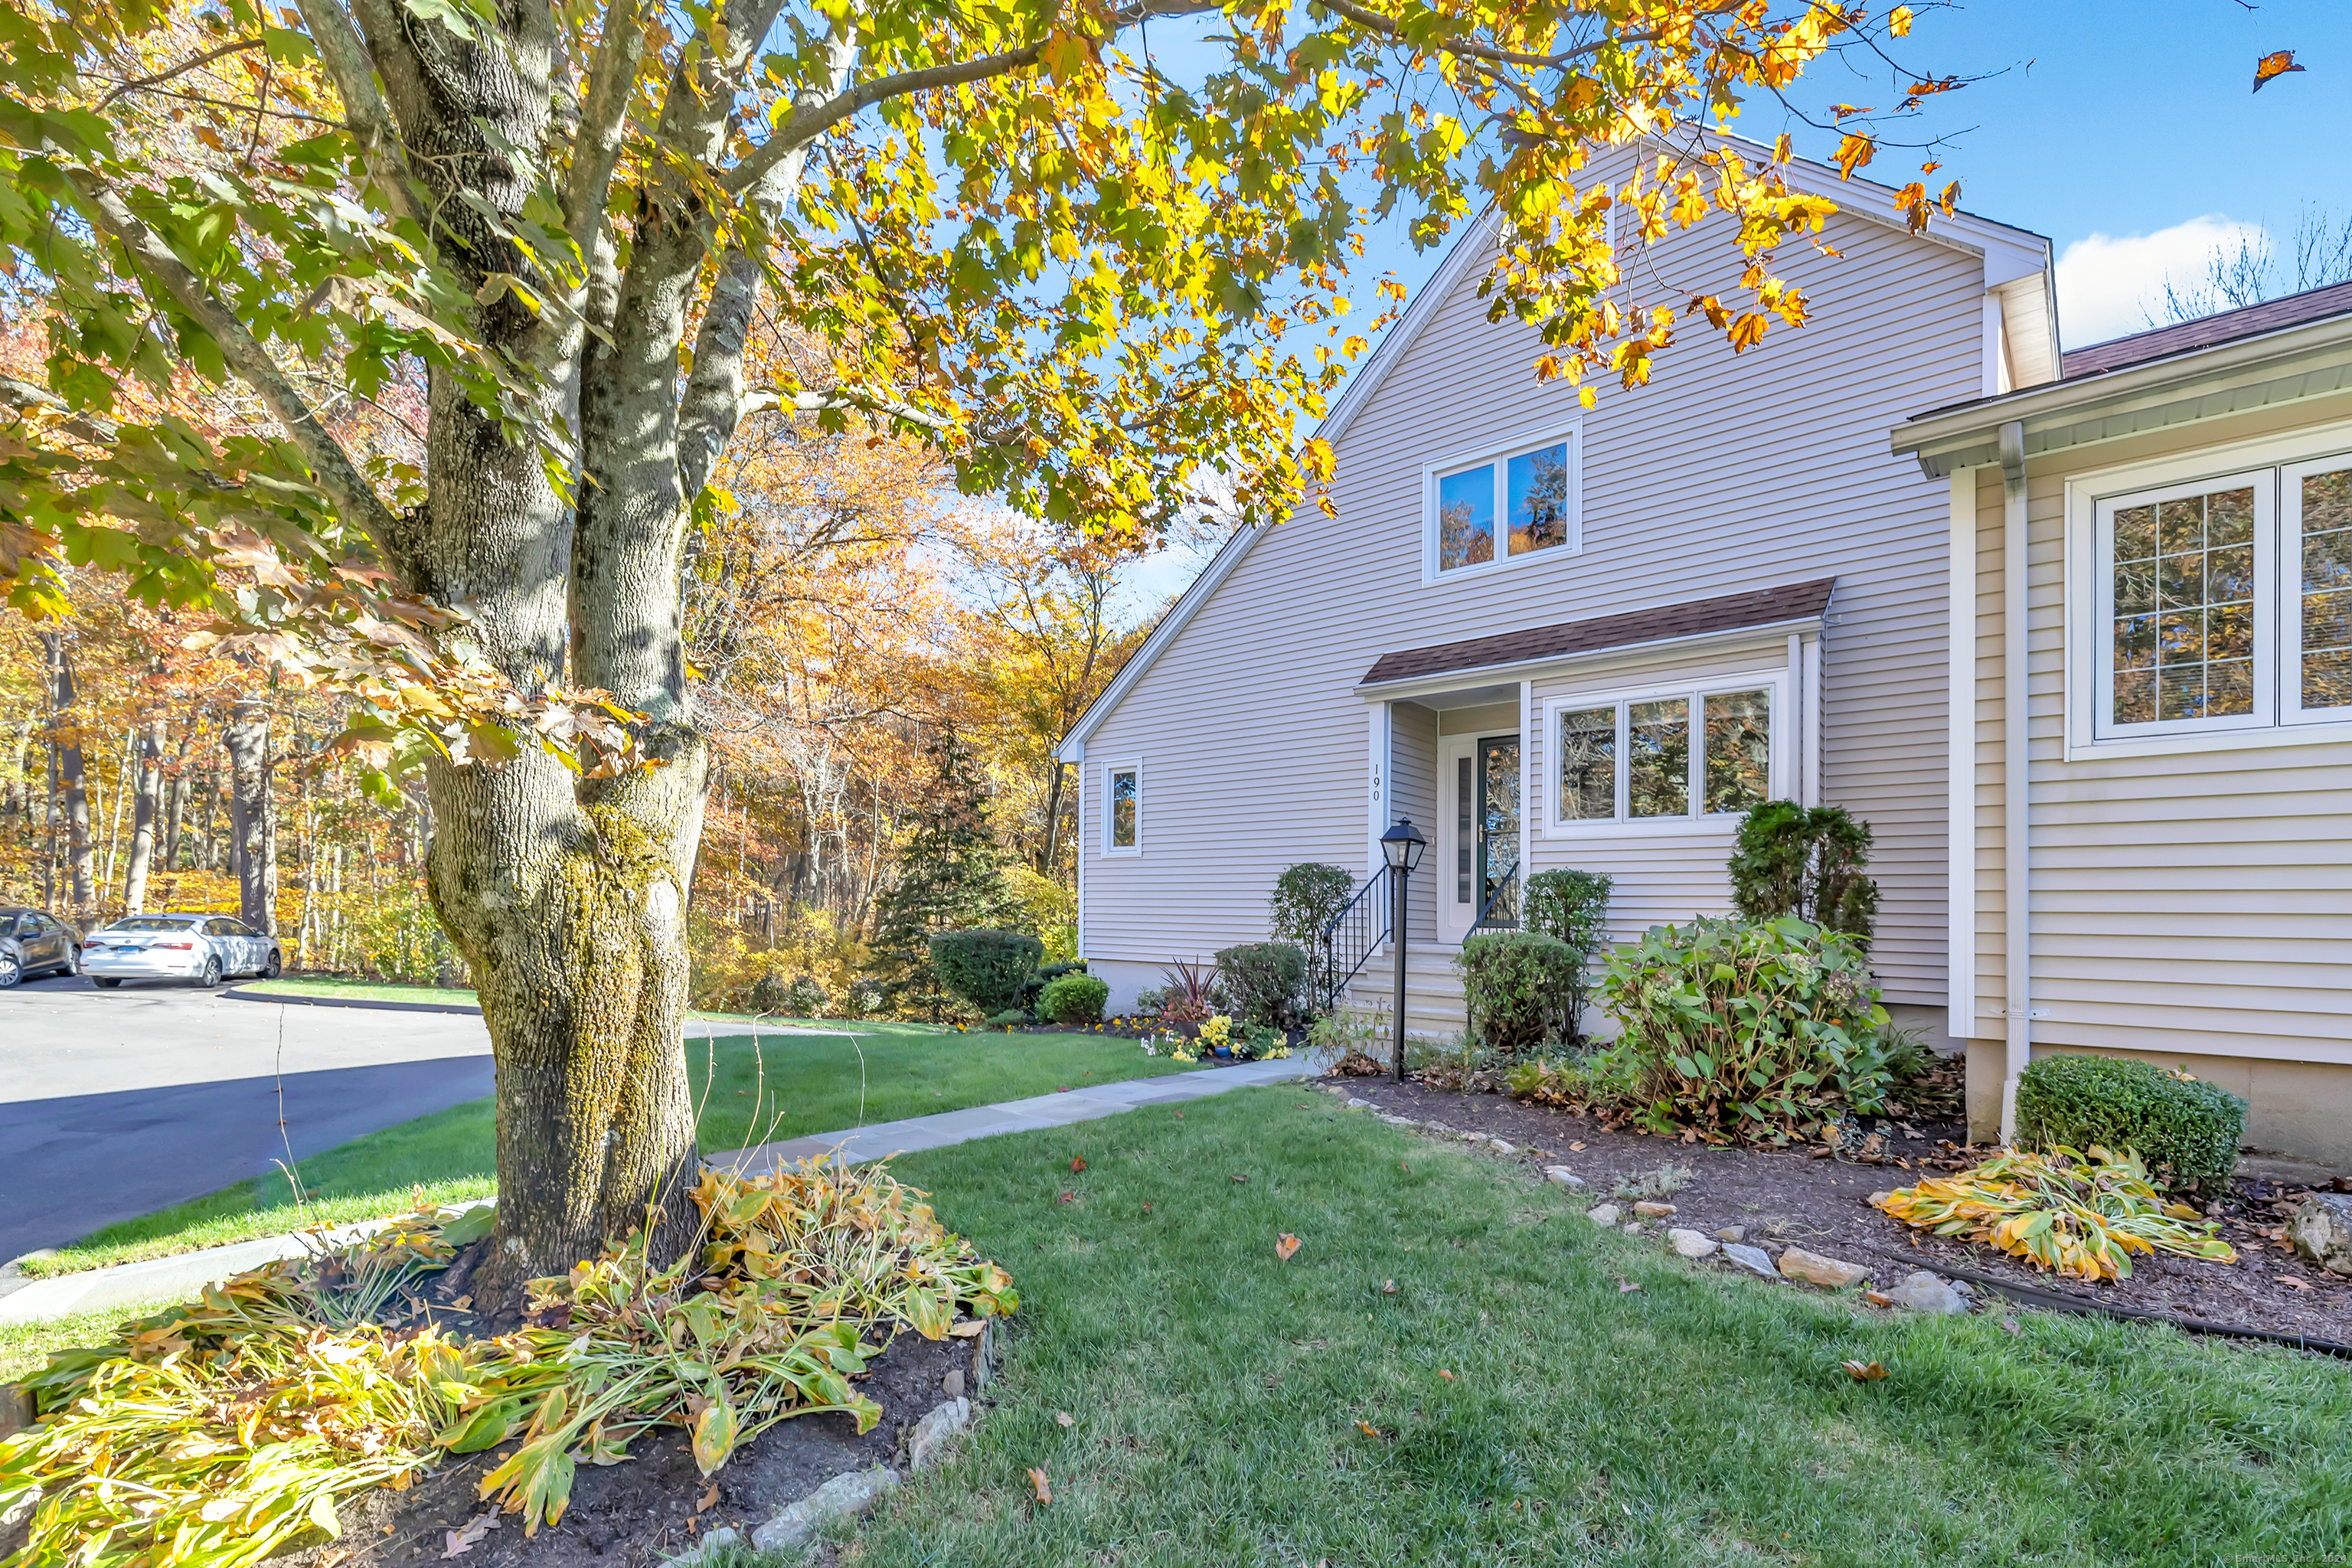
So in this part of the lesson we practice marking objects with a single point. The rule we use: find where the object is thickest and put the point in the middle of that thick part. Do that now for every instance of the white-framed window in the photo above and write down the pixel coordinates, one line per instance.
(1667, 757)
(1505, 505)
(2222, 604)
(1122, 808)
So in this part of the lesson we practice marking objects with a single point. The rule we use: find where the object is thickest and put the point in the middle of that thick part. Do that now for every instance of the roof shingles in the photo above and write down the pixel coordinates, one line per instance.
(2208, 331)
(1664, 623)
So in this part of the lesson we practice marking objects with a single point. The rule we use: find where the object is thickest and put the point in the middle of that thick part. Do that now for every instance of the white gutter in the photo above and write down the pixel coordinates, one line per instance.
(2017, 917)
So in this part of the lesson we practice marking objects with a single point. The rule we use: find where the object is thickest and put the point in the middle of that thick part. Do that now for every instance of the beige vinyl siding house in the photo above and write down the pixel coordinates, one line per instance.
(2159, 873)
(1255, 730)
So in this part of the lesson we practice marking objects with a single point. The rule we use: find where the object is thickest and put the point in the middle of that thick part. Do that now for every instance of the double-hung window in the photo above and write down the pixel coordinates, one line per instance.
(1123, 809)
(2225, 604)
(1681, 755)
(1520, 503)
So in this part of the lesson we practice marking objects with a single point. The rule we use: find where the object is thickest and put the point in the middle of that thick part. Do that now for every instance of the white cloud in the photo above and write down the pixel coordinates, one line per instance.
(2108, 287)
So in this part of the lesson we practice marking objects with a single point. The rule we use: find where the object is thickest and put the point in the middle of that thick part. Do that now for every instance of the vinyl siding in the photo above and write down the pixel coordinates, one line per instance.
(1725, 473)
(2191, 904)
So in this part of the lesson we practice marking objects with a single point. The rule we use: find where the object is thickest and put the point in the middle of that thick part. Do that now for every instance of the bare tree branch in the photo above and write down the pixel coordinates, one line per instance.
(236, 46)
(335, 472)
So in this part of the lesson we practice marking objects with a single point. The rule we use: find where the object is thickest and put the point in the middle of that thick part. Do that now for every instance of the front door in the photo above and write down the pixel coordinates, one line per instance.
(1479, 786)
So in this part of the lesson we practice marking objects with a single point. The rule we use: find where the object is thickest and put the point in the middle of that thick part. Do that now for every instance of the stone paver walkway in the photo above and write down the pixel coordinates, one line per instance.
(917, 1133)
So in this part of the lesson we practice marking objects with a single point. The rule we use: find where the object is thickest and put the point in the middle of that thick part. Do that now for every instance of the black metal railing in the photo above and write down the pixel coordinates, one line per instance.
(1348, 943)
(1501, 910)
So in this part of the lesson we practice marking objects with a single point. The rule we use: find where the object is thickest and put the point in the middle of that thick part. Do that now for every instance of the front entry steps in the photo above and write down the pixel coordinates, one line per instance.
(1433, 1007)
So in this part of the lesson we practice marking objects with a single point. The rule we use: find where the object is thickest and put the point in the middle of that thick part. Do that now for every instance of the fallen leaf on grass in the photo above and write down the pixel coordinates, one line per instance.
(1044, 1488)
(1863, 1372)
(1241, 1178)
(2008, 1326)
(1147, 1208)
(1077, 1164)
(1368, 1429)
(1626, 1285)
(1878, 1297)
(1180, 1116)
(2291, 1279)
(1287, 1246)
(1064, 1419)
(1388, 1286)
(1445, 1374)
(1069, 1197)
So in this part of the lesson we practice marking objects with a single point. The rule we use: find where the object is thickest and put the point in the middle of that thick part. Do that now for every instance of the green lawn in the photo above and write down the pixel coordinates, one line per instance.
(447, 996)
(25, 1347)
(1215, 1393)
(789, 1085)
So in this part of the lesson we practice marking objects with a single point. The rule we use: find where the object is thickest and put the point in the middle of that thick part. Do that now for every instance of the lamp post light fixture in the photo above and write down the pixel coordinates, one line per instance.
(1403, 846)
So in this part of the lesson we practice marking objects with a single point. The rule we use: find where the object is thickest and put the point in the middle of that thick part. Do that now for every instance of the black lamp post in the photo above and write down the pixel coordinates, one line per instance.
(1402, 844)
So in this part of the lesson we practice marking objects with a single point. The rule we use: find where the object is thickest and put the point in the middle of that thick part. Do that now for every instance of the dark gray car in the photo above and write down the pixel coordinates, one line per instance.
(34, 944)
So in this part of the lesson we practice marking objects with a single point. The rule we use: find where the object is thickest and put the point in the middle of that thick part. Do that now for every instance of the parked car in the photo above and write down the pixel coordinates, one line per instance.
(32, 943)
(205, 949)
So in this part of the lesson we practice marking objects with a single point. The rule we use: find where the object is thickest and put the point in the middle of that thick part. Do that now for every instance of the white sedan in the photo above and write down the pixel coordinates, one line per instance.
(201, 948)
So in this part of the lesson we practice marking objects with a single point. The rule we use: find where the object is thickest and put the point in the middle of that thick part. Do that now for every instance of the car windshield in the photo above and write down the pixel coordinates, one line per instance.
(147, 922)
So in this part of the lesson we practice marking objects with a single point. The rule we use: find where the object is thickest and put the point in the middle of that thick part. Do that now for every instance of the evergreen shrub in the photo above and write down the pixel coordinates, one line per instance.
(805, 998)
(1031, 993)
(1574, 906)
(1266, 983)
(2184, 1129)
(1073, 999)
(1806, 862)
(1520, 989)
(989, 969)
(1308, 897)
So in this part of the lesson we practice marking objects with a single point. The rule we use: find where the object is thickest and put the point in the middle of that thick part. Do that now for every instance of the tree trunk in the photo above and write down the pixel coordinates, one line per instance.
(248, 739)
(73, 798)
(176, 821)
(142, 818)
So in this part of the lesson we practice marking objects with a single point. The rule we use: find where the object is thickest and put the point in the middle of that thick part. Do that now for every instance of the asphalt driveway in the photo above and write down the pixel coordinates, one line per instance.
(114, 1103)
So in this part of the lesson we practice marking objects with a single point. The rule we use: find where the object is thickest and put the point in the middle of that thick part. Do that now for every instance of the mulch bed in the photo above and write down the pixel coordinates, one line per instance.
(1822, 1204)
(658, 1503)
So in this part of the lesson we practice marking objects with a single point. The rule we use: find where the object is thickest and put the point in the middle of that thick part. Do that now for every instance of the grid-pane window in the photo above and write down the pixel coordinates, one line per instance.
(1739, 759)
(2324, 591)
(1657, 758)
(1588, 764)
(2184, 607)
(1125, 806)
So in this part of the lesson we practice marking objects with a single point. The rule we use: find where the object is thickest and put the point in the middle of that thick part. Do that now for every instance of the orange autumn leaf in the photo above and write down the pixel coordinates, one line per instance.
(1287, 1246)
(1038, 1483)
(1368, 1429)
(2273, 65)
(1863, 1372)
(1077, 1164)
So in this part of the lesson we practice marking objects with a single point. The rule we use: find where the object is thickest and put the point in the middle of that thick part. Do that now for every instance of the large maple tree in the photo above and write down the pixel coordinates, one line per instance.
(558, 229)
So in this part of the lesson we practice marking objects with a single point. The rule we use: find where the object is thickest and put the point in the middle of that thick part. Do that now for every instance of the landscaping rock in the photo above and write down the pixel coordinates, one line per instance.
(1649, 1208)
(1355, 1104)
(1690, 1243)
(1500, 1147)
(1732, 1233)
(1833, 1273)
(1925, 1292)
(1439, 1127)
(797, 1525)
(710, 1546)
(1755, 1259)
(1397, 1121)
(1633, 1227)
(16, 1408)
(932, 1432)
(952, 1384)
(1566, 1178)
(1601, 1214)
(2322, 1232)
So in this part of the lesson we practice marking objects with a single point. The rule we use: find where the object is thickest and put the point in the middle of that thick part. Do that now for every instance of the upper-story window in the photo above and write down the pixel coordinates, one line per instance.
(1490, 509)
(2226, 604)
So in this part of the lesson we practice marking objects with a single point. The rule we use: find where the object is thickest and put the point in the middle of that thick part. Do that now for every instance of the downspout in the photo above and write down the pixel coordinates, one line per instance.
(2017, 916)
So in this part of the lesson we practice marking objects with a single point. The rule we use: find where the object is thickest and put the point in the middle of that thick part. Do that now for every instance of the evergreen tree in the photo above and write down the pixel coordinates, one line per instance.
(950, 879)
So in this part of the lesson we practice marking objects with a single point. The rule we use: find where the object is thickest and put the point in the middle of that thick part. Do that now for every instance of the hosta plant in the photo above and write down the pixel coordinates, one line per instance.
(1747, 1030)
(2078, 1213)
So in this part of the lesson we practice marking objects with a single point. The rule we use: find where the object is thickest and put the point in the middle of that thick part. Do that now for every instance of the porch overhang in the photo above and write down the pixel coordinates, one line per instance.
(1795, 607)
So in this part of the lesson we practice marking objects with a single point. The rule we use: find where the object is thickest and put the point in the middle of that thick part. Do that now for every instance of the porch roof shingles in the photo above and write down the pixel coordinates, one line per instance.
(1665, 623)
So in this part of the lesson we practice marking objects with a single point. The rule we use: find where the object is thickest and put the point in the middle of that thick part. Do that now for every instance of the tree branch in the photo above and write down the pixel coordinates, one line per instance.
(812, 121)
(330, 466)
(1373, 21)
(596, 149)
(236, 46)
(346, 59)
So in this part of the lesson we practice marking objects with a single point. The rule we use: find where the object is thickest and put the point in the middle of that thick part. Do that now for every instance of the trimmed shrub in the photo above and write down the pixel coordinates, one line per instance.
(2184, 1129)
(863, 999)
(772, 993)
(805, 998)
(1572, 906)
(1743, 1030)
(1306, 897)
(1805, 861)
(1520, 989)
(1073, 999)
(988, 969)
(1047, 974)
(1266, 983)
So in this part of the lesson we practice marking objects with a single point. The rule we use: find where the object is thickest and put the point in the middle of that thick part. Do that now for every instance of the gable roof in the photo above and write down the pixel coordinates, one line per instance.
(2227, 326)
(1749, 611)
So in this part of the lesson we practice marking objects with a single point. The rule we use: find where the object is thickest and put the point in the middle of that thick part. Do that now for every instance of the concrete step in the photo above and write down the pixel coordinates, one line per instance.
(1432, 992)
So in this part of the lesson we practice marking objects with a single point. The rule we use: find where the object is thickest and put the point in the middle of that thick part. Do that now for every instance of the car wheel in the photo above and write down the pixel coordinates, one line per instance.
(275, 967)
(72, 965)
(211, 976)
(104, 983)
(11, 972)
